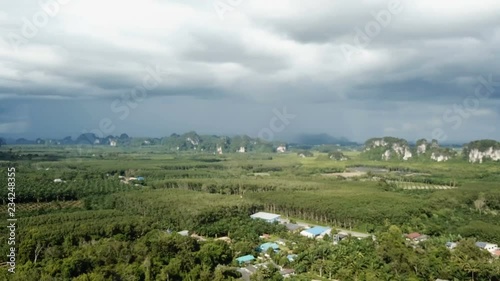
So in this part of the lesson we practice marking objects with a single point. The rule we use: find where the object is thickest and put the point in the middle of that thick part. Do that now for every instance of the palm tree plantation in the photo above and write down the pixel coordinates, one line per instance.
(155, 212)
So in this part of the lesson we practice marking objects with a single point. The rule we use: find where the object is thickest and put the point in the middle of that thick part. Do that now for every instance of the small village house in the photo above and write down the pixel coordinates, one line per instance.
(451, 245)
(245, 259)
(266, 246)
(265, 236)
(281, 149)
(416, 237)
(315, 231)
(281, 242)
(291, 258)
(266, 216)
(487, 246)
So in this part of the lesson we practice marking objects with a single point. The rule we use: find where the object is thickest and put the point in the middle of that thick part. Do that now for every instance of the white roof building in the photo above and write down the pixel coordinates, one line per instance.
(269, 217)
(490, 247)
(281, 149)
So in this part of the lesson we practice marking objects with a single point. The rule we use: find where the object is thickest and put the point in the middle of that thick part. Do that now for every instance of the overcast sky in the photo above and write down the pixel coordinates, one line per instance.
(152, 68)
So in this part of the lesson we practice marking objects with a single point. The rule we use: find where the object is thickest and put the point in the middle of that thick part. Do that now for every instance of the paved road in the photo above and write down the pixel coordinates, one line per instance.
(354, 233)
(245, 275)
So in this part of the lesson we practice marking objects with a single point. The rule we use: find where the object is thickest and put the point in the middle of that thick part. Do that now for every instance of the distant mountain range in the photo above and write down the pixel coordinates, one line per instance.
(319, 139)
(188, 141)
(384, 148)
(89, 138)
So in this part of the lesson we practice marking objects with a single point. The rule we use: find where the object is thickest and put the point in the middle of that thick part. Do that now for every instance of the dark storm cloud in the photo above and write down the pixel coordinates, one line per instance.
(220, 48)
(428, 56)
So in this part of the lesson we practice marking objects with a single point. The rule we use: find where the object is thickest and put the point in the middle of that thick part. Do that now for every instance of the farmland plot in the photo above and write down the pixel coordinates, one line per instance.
(418, 185)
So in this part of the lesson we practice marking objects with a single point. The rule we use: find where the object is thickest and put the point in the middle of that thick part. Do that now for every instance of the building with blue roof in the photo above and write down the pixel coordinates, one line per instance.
(291, 258)
(245, 259)
(266, 246)
(315, 231)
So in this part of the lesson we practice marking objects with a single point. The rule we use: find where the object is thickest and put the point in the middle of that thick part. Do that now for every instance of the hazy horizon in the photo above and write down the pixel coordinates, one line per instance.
(293, 139)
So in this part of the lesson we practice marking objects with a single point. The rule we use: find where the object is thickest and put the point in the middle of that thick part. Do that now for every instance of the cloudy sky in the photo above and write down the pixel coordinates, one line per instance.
(357, 69)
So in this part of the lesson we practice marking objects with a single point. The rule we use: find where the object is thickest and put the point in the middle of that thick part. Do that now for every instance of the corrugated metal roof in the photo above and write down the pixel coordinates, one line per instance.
(264, 247)
(481, 244)
(245, 258)
(265, 216)
(317, 230)
(413, 235)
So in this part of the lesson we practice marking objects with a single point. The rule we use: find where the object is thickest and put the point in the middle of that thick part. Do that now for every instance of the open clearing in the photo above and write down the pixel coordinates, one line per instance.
(345, 174)
(419, 185)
